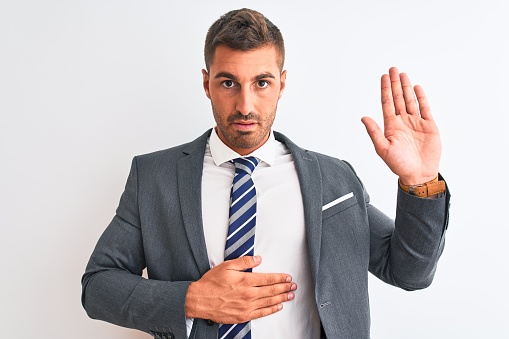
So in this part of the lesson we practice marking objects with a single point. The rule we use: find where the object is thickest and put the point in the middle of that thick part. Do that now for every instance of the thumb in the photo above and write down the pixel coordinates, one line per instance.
(243, 263)
(375, 133)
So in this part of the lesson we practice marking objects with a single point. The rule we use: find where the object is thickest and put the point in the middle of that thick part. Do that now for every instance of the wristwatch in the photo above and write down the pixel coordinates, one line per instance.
(425, 190)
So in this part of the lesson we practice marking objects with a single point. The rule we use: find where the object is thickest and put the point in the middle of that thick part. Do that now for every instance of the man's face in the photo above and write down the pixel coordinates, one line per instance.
(244, 88)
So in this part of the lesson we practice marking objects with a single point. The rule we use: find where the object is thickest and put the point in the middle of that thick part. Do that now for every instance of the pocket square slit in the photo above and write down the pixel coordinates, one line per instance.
(337, 201)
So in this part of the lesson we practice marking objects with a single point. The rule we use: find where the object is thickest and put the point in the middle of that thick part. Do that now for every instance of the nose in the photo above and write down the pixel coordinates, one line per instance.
(245, 101)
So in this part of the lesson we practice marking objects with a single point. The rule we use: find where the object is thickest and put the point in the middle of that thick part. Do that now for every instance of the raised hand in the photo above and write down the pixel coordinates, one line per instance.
(410, 143)
(227, 295)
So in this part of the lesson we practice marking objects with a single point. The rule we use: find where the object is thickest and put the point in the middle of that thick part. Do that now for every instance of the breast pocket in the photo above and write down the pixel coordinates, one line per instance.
(338, 205)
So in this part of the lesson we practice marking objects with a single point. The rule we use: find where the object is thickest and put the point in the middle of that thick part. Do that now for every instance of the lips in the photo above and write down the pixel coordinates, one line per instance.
(245, 125)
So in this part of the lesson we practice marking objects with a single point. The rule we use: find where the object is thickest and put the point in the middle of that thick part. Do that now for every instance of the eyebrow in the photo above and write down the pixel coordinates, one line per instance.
(225, 75)
(264, 76)
(230, 76)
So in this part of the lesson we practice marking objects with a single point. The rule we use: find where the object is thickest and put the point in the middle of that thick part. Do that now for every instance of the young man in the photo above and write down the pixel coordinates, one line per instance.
(295, 228)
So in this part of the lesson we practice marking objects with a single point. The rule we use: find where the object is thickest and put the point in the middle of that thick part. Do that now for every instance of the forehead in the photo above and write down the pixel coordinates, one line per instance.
(245, 63)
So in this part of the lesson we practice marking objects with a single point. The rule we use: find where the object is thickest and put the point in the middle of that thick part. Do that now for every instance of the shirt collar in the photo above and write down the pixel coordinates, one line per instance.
(222, 153)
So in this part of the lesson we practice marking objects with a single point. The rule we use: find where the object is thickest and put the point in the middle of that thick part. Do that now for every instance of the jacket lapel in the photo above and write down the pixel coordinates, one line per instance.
(189, 177)
(310, 180)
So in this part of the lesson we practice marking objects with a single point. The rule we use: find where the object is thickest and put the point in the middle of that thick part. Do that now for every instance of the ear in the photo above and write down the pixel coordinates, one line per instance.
(282, 84)
(206, 82)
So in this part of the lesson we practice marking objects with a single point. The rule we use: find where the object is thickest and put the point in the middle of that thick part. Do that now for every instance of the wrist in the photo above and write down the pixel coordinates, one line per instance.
(426, 189)
(416, 181)
(190, 301)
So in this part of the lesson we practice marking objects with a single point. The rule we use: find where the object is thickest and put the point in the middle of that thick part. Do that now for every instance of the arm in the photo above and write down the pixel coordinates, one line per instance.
(410, 145)
(404, 252)
(112, 287)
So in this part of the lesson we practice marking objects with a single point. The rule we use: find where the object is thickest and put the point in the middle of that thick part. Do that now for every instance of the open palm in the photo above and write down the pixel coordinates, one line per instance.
(410, 143)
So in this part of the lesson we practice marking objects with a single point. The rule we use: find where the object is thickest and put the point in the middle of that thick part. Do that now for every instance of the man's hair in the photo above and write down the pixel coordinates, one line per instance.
(243, 29)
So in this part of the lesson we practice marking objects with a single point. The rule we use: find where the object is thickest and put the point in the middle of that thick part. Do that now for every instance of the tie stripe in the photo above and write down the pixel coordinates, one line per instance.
(241, 232)
(235, 331)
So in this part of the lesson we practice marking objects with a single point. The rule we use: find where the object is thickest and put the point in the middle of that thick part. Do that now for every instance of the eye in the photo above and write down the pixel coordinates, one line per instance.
(228, 83)
(263, 83)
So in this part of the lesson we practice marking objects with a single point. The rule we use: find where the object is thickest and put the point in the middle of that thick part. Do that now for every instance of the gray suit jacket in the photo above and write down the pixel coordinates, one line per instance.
(158, 225)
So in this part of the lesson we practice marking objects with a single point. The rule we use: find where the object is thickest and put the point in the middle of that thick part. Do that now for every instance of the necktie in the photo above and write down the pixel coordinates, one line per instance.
(241, 232)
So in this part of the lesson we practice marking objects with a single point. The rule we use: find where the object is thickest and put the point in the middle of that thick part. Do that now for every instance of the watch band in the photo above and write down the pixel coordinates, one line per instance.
(425, 190)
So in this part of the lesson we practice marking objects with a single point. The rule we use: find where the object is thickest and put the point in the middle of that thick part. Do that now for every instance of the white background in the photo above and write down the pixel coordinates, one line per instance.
(85, 85)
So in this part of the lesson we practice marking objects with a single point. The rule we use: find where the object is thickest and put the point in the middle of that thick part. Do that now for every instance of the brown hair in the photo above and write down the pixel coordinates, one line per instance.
(243, 29)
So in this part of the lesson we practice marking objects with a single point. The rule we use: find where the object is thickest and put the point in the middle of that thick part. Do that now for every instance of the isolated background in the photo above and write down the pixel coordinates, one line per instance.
(85, 85)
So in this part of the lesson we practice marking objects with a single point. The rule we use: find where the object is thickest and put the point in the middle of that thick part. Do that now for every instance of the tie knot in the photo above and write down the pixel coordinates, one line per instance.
(245, 165)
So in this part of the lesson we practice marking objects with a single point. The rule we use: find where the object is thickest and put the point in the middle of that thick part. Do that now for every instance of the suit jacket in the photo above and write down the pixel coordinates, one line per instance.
(158, 225)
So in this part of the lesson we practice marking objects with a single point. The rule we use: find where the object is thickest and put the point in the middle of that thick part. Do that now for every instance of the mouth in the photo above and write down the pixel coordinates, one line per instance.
(245, 125)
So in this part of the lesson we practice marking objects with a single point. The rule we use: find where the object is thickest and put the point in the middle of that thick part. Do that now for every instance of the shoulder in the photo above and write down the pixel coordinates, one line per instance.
(170, 156)
(178, 151)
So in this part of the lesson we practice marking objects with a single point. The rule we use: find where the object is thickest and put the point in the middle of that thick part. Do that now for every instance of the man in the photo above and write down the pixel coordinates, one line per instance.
(316, 235)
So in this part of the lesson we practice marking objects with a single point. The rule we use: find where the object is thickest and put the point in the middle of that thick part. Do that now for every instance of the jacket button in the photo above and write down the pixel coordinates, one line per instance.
(209, 322)
(171, 336)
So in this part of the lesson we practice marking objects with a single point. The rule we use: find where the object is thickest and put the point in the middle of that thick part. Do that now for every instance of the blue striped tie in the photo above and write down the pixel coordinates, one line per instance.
(241, 233)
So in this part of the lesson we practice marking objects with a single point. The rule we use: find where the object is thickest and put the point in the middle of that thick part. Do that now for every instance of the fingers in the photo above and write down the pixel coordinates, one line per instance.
(262, 301)
(243, 263)
(240, 317)
(256, 279)
(387, 99)
(263, 312)
(397, 91)
(275, 290)
(397, 94)
(408, 94)
(423, 103)
(271, 305)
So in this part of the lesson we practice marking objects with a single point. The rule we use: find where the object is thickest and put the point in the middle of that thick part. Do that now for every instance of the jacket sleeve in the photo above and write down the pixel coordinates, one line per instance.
(405, 252)
(113, 289)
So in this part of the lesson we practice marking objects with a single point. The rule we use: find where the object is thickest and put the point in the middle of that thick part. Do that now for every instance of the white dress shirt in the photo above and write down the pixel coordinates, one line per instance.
(280, 237)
